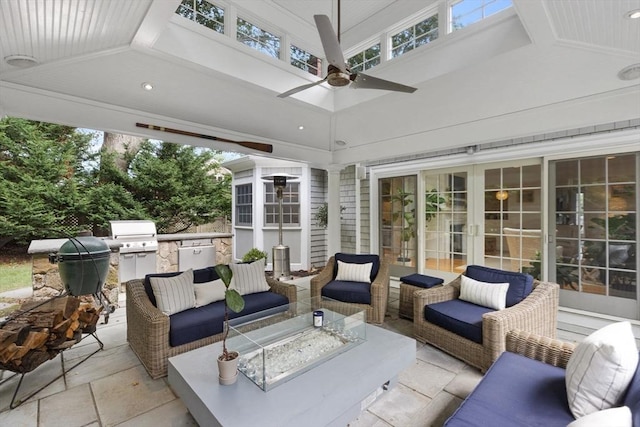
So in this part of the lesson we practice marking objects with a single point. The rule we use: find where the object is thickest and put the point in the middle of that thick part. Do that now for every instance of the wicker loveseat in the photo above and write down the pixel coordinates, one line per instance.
(371, 297)
(526, 387)
(536, 313)
(149, 330)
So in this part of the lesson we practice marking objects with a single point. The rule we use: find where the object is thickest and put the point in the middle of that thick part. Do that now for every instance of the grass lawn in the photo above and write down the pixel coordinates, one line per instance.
(15, 274)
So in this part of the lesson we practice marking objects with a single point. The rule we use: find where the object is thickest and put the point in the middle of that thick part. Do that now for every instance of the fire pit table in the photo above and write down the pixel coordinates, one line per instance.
(330, 389)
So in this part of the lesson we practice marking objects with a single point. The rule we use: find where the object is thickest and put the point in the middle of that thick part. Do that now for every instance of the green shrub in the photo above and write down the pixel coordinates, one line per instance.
(254, 254)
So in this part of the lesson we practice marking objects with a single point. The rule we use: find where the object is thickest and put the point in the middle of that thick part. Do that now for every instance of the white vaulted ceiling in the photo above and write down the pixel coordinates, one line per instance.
(539, 67)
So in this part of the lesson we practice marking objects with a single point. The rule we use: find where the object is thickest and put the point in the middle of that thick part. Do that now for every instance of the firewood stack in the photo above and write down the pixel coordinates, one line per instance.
(37, 334)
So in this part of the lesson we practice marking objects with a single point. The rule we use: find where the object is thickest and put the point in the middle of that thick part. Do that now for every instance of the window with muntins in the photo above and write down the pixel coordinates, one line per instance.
(257, 38)
(416, 35)
(305, 61)
(290, 205)
(467, 12)
(244, 204)
(366, 59)
(204, 13)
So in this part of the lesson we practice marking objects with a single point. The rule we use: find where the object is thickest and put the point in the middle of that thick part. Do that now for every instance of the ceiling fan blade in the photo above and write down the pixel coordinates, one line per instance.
(363, 81)
(301, 88)
(330, 43)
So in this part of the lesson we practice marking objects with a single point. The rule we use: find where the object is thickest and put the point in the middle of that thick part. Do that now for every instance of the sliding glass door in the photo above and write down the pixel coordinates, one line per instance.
(593, 207)
(398, 223)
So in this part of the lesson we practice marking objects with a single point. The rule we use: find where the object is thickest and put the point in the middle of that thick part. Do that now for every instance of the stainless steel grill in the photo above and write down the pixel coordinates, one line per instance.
(139, 245)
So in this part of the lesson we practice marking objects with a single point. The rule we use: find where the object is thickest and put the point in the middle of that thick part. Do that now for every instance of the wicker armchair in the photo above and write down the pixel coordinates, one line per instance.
(537, 313)
(148, 327)
(379, 290)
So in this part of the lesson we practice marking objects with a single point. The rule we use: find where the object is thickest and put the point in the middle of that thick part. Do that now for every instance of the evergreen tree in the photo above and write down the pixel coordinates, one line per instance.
(40, 178)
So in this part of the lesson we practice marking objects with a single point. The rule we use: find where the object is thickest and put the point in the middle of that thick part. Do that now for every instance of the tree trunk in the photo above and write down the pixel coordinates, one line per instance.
(123, 146)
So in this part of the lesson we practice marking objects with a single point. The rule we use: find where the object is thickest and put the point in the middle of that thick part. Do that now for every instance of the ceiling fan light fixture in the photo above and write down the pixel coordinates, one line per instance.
(338, 79)
(21, 61)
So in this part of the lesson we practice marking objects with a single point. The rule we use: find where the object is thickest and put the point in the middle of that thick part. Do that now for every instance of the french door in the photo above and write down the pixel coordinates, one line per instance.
(593, 208)
(484, 214)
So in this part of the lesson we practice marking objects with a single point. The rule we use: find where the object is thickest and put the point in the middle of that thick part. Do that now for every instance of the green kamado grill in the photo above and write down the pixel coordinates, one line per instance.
(83, 265)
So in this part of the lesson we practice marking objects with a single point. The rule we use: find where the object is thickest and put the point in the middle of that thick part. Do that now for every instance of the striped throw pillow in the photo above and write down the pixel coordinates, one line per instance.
(249, 278)
(600, 369)
(174, 294)
(492, 295)
(351, 272)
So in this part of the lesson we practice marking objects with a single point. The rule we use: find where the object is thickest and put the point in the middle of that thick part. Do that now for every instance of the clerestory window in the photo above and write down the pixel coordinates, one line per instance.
(257, 38)
(305, 61)
(204, 13)
(416, 35)
(466, 12)
(366, 59)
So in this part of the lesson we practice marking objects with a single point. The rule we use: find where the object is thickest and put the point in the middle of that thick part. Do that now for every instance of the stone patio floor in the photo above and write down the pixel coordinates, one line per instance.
(112, 388)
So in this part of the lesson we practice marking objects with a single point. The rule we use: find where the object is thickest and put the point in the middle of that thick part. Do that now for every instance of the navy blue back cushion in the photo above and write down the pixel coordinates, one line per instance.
(353, 292)
(200, 275)
(632, 397)
(358, 259)
(460, 317)
(520, 284)
(516, 391)
(201, 322)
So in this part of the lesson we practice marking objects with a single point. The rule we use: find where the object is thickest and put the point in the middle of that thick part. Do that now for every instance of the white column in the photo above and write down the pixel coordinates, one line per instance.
(334, 243)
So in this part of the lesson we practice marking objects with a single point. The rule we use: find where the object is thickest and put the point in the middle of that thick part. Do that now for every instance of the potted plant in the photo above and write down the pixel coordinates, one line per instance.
(254, 254)
(228, 360)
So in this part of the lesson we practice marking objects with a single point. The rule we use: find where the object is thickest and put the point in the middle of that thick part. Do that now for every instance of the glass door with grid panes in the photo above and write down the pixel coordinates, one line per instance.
(593, 207)
(513, 218)
(398, 223)
(446, 230)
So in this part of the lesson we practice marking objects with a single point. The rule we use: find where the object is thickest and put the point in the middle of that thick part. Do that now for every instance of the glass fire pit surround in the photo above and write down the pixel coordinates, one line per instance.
(279, 344)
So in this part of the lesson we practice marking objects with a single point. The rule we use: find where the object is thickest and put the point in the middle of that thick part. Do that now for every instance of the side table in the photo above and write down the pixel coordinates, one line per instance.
(409, 284)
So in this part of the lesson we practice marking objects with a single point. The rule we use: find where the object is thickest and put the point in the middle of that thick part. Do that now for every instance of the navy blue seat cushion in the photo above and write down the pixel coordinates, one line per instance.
(421, 280)
(516, 391)
(354, 292)
(200, 275)
(632, 397)
(520, 284)
(201, 322)
(460, 317)
(358, 259)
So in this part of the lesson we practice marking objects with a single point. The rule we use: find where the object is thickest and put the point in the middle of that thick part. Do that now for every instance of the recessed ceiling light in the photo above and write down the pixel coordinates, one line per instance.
(147, 86)
(21, 61)
(631, 72)
(300, 127)
(633, 14)
(341, 142)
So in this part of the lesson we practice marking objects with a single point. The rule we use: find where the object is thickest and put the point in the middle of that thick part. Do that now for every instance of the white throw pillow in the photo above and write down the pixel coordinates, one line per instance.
(492, 295)
(613, 417)
(174, 294)
(209, 292)
(600, 369)
(249, 278)
(351, 272)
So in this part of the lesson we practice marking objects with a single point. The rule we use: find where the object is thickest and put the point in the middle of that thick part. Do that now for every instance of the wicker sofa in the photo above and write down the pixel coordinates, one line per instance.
(536, 313)
(149, 330)
(526, 387)
(378, 291)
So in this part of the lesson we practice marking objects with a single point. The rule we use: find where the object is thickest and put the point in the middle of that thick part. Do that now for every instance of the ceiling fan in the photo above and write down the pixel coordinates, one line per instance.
(338, 74)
